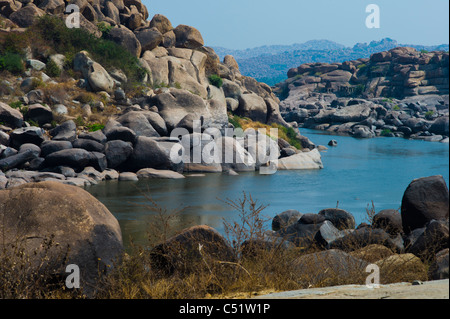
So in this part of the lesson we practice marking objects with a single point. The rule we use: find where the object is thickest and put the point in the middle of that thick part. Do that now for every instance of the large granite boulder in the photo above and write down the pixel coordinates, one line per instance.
(58, 225)
(424, 199)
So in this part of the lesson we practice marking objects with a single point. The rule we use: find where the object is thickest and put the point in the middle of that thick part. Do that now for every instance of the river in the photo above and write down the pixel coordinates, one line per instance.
(357, 173)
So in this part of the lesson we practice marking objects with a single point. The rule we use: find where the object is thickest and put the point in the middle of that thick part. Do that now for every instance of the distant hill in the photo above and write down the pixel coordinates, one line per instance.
(269, 64)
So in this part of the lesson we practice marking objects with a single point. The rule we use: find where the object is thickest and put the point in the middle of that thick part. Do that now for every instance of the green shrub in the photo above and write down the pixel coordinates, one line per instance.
(215, 80)
(52, 69)
(16, 104)
(234, 120)
(396, 108)
(104, 28)
(52, 31)
(11, 62)
(95, 127)
(429, 115)
(386, 132)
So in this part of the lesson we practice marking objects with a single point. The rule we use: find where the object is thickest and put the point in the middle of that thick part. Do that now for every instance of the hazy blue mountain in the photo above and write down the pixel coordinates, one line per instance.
(269, 64)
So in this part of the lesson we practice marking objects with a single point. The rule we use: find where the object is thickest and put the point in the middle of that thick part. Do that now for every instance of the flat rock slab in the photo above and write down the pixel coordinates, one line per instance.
(438, 289)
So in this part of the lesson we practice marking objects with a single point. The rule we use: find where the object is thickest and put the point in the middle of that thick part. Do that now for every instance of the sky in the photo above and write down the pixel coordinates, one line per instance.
(241, 24)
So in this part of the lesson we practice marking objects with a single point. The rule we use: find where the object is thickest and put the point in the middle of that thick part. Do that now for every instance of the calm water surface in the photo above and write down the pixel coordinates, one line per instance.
(357, 172)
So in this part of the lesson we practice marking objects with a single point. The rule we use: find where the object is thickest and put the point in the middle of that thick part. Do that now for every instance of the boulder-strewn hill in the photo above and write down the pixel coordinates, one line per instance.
(270, 64)
(400, 92)
(79, 102)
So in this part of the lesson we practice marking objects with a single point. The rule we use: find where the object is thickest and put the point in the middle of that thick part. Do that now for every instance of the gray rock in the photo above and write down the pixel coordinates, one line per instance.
(17, 160)
(389, 220)
(138, 123)
(285, 219)
(33, 135)
(10, 116)
(75, 158)
(340, 218)
(117, 152)
(67, 131)
(88, 145)
(424, 199)
(48, 147)
(149, 153)
(40, 114)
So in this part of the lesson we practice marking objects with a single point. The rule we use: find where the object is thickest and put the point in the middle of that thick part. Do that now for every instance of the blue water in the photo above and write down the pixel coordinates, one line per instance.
(357, 173)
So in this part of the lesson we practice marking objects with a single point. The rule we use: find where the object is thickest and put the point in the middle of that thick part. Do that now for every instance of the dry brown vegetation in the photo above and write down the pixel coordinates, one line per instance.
(262, 264)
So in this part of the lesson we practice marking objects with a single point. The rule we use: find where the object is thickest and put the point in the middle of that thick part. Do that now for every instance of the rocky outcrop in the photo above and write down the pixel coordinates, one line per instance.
(401, 92)
(399, 72)
(393, 240)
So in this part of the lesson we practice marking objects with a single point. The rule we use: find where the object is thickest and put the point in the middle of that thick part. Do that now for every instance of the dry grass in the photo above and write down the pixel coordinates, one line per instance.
(263, 264)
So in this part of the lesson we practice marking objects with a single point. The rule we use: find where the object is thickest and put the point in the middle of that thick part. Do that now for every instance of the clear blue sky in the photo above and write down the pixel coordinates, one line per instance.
(240, 24)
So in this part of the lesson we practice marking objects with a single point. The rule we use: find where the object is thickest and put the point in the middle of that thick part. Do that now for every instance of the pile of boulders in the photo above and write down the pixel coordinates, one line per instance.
(401, 92)
(401, 243)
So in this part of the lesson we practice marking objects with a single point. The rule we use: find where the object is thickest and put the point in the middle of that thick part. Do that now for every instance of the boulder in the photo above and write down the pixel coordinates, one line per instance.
(352, 113)
(150, 173)
(117, 152)
(96, 136)
(32, 134)
(432, 240)
(300, 161)
(176, 104)
(186, 252)
(16, 160)
(252, 106)
(285, 219)
(28, 146)
(48, 147)
(161, 23)
(440, 126)
(10, 116)
(149, 38)
(86, 233)
(98, 78)
(302, 235)
(75, 158)
(311, 219)
(327, 233)
(26, 16)
(188, 37)
(138, 123)
(88, 145)
(150, 153)
(424, 199)
(40, 114)
(113, 130)
(389, 220)
(67, 131)
(126, 38)
(340, 218)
